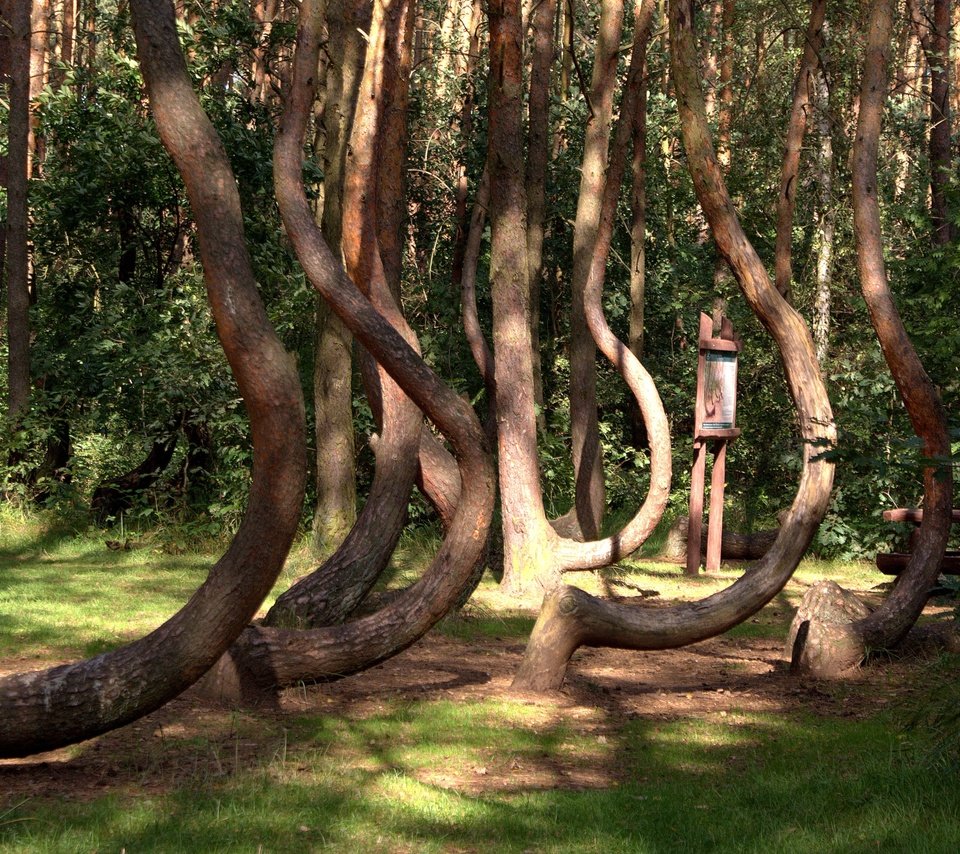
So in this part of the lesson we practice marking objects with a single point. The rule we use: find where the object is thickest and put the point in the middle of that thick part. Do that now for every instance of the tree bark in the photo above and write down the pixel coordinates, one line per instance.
(48, 709)
(571, 618)
(725, 97)
(832, 653)
(535, 554)
(330, 593)
(525, 529)
(638, 250)
(826, 222)
(267, 657)
(542, 20)
(933, 30)
(584, 427)
(18, 176)
(796, 130)
(335, 477)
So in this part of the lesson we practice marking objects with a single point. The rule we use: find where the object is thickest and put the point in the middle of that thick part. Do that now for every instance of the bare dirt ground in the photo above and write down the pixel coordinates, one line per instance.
(720, 679)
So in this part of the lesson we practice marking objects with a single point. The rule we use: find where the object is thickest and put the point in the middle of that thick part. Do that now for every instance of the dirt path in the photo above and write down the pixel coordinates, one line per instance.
(722, 678)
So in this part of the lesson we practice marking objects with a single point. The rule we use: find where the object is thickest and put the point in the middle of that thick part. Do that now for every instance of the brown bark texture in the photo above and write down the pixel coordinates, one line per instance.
(571, 618)
(542, 21)
(828, 655)
(534, 553)
(590, 492)
(47, 709)
(331, 592)
(933, 30)
(826, 222)
(803, 90)
(335, 477)
(525, 529)
(18, 175)
(270, 657)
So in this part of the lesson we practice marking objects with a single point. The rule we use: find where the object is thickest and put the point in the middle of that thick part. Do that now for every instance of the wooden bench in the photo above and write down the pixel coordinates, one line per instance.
(893, 563)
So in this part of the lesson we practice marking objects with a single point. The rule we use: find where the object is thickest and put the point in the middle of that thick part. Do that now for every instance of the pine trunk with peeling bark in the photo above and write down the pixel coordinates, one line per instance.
(835, 652)
(571, 618)
(48, 709)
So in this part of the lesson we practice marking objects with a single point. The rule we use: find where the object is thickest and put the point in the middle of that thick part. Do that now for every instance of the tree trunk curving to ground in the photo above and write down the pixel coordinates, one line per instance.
(267, 658)
(331, 592)
(571, 618)
(535, 554)
(51, 708)
(818, 652)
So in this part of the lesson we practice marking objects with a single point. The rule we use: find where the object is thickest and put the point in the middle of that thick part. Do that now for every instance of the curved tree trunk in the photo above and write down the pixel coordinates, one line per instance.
(803, 89)
(268, 657)
(330, 593)
(48, 709)
(571, 618)
(584, 428)
(830, 653)
(534, 554)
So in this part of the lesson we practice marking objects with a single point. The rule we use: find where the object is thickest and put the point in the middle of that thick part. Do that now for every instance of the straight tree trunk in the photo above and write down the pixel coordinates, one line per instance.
(584, 427)
(638, 252)
(527, 554)
(538, 150)
(826, 221)
(335, 510)
(69, 12)
(18, 176)
(725, 110)
(933, 30)
(796, 130)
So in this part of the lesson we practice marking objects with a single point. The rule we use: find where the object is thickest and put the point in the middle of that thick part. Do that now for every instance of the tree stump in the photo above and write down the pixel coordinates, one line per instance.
(823, 641)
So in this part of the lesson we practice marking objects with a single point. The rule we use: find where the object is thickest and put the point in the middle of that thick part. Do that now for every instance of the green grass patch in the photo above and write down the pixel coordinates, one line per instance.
(434, 775)
(399, 781)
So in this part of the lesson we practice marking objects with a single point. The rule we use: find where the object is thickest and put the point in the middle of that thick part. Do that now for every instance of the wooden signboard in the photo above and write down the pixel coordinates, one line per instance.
(715, 419)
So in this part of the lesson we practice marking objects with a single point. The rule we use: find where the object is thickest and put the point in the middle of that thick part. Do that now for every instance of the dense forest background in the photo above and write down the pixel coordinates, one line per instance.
(124, 364)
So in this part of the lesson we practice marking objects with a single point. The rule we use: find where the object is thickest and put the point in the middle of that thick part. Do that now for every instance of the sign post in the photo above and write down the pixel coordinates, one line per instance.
(715, 415)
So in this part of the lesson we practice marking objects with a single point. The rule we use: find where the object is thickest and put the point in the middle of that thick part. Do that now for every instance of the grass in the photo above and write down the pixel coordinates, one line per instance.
(755, 783)
(433, 775)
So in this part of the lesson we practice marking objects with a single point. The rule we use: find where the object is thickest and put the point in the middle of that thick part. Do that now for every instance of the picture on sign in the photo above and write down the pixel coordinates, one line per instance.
(719, 390)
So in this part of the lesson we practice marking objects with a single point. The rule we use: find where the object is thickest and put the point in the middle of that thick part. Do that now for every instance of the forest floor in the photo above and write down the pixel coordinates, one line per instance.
(726, 681)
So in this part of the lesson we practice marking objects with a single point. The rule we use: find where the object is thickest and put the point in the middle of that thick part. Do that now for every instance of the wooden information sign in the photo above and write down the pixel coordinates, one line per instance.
(715, 419)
